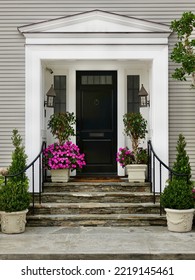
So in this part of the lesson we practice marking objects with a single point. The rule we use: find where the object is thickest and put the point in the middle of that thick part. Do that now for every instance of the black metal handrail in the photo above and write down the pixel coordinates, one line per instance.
(42, 174)
(153, 160)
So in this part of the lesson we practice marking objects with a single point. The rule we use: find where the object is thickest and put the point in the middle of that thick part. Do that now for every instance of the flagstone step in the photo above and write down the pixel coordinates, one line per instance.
(96, 187)
(76, 204)
(95, 208)
(103, 220)
(101, 197)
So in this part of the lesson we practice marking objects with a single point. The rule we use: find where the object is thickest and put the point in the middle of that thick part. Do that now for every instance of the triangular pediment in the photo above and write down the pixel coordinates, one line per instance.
(95, 21)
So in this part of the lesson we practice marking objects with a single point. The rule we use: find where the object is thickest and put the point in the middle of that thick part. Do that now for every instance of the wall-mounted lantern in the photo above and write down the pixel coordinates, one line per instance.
(143, 97)
(50, 97)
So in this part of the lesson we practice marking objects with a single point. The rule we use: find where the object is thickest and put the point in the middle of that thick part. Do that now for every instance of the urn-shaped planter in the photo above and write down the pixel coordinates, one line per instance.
(60, 175)
(136, 172)
(13, 222)
(179, 220)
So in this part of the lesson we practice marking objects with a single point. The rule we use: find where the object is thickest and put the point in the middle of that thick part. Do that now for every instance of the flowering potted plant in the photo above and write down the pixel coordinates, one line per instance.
(135, 126)
(62, 156)
(125, 158)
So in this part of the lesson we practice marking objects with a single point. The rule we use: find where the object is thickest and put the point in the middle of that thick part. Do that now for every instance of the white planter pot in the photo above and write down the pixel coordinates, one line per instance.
(60, 175)
(13, 222)
(136, 172)
(179, 220)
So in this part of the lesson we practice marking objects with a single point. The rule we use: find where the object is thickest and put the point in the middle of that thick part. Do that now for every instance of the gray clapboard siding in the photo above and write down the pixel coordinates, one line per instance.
(181, 112)
(12, 60)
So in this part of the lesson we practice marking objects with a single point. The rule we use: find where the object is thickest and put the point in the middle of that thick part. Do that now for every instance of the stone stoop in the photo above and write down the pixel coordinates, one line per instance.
(105, 204)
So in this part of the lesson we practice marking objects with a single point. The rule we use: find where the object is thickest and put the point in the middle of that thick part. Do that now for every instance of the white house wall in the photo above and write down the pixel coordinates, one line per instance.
(14, 13)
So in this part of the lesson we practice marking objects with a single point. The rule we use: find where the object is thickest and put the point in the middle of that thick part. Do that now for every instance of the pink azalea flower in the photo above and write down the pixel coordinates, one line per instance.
(57, 156)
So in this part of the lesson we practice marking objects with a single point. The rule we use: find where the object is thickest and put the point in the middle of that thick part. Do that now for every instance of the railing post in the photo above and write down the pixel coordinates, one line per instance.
(40, 178)
(153, 179)
(160, 186)
(5, 180)
(149, 162)
(33, 188)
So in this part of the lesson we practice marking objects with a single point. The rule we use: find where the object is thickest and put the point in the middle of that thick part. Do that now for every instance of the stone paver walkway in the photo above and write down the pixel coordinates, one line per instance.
(98, 243)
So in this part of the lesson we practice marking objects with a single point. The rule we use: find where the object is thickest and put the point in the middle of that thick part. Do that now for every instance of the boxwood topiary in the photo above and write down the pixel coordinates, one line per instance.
(14, 195)
(177, 195)
(182, 162)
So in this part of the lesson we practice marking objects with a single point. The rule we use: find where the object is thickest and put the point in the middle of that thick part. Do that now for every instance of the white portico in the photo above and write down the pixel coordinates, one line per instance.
(97, 41)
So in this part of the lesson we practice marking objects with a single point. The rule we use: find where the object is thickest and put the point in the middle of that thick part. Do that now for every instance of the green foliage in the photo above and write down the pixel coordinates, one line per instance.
(177, 195)
(142, 156)
(60, 125)
(14, 196)
(182, 164)
(1, 181)
(136, 128)
(184, 51)
(19, 157)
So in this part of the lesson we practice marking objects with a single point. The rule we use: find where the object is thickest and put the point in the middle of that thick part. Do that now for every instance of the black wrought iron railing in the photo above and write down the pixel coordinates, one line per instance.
(33, 174)
(156, 167)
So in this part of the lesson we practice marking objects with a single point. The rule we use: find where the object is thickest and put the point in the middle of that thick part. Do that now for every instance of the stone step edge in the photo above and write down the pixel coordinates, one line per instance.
(95, 216)
(77, 184)
(98, 256)
(94, 205)
(99, 193)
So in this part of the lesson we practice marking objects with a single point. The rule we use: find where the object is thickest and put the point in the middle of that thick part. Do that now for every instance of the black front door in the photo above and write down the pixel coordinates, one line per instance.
(96, 111)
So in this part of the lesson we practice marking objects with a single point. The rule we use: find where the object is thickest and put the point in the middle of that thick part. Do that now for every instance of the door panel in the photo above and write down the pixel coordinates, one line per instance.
(97, 109)
(97, 151)
(96, 120)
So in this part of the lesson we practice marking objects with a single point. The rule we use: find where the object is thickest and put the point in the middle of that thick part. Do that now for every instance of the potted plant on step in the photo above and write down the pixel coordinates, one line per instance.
(14, 194)
(177, 197)
(62, 156)
(135, 126)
